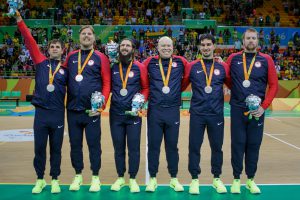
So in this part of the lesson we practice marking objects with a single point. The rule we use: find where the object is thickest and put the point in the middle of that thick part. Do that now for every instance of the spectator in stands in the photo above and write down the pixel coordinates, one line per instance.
(277, 20)
(237, 45)
(268, 20)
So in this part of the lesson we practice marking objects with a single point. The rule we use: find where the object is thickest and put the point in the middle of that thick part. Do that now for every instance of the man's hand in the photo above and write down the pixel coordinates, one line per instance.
(94, 113)
(218, 59)
(18, 16)
(142, 113)
(257, 113)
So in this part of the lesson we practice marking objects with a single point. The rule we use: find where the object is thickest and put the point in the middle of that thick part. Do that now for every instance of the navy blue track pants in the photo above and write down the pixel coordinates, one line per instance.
(246, 138)
(48, 123)
(126, 128)
(215, 130)
(79, 122)
(163, 122)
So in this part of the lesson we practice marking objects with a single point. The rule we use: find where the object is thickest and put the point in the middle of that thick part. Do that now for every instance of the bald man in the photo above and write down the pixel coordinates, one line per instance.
(165, 76)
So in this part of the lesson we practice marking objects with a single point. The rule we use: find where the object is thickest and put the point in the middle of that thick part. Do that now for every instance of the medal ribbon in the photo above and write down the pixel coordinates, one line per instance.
(208, 79)
(51, 76)
(80, 69)
(124, 82)
(165, 79)
(247, 74)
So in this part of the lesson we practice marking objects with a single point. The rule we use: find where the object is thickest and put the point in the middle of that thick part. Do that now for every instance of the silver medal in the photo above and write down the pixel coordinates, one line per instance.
(78, 77)
(208, 89)
(246, 83)
(165, 89)
(123, 92)
(50, 87)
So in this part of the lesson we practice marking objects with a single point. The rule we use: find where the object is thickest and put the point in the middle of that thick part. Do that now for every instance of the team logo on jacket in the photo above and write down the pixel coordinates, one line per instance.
(131, 74)
(91, 62)
(217, 72)
(174, 64)
(257, 64)
(61, 71)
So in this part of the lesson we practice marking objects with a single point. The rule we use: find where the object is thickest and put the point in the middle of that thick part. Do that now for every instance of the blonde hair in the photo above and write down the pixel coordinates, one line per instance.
(251, 30)
(86, 26)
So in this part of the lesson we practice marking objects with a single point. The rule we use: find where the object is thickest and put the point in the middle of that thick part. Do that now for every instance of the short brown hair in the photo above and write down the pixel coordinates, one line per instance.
(86, 26)
(250, 30)
(54, 41)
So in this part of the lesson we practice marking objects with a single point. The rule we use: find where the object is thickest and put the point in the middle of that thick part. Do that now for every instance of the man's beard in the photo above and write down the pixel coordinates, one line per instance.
(126, 58)
(252, 48)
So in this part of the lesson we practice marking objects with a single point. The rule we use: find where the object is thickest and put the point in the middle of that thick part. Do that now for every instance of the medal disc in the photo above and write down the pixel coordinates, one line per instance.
(165, 89)
(50, 88)
(208, 89)
(78, 77)
(246, 83)
(123, 92)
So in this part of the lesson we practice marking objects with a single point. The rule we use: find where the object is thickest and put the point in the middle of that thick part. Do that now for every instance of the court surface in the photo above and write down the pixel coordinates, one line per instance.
(278, 170)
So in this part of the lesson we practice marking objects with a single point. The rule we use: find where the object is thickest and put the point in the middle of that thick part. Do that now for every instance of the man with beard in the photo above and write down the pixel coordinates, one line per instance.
(50, 90)
(165, 76)
(129, 77)
(89, 71)
(207, 104)
(251, 71)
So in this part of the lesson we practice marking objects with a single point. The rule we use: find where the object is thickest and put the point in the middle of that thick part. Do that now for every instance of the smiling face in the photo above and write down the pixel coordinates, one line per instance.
(165, 47)
(250, 41)
(87, 38)
(207, 48)
(126, 48)
(55, 50)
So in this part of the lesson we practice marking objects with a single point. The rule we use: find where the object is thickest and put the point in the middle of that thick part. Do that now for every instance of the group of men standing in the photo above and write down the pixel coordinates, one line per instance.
(160, 79)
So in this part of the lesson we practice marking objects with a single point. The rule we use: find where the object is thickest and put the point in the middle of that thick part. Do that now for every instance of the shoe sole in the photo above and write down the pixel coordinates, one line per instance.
(72, 189)
(40, 191)
(172, 186)
(55, 192)
(195, 193)
(121, 186)
(94, 190)
(251, 191)
(235, 192)
(147, 190)
(219, 192)
(136, 191)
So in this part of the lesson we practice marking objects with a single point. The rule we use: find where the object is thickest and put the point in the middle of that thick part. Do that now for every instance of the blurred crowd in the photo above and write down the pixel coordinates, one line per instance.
(14, 57)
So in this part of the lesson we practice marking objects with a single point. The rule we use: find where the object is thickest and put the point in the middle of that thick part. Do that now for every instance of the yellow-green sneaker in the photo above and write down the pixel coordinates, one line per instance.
(219, 186)
(77, 181)
(118, 184)
(152, 185)
(236, 186)
(95, 184)
(252, 187)
(194, 187)
(134, 187)
(174, 183)
(40, 184)
(55, 186)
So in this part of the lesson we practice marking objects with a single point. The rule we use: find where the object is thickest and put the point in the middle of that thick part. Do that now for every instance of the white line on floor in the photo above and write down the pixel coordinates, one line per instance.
(270, 135)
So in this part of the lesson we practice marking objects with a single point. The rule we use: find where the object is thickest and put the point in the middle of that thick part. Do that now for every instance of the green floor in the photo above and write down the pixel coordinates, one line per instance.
(269, 192)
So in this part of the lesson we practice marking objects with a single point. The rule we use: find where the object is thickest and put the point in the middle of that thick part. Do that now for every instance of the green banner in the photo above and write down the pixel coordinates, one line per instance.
(198, 24)
(38, 23)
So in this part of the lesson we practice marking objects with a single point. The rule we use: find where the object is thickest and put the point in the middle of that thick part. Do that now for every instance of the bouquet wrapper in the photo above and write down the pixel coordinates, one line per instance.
(253, 102)
(138, 101)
